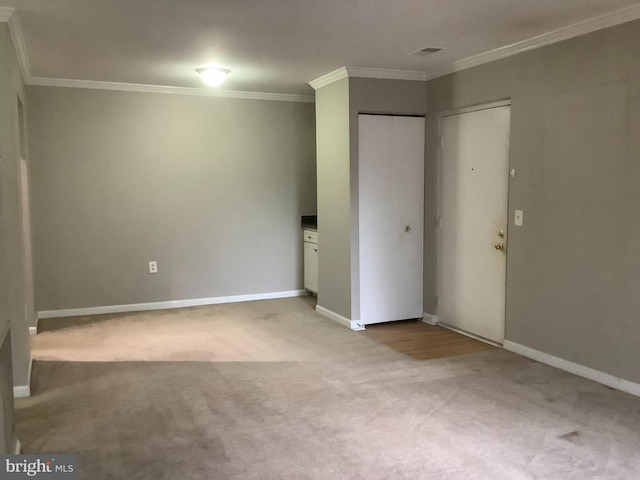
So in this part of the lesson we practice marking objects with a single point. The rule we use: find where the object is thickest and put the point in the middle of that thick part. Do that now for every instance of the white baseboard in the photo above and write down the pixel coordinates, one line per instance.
(195, 302)
(18, 447)
(470, 335)
(352, 324)
(23, 391)
(429, 318)
(575, 368)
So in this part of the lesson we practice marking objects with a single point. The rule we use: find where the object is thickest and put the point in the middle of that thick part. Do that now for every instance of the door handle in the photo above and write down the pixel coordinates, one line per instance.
(500, 247)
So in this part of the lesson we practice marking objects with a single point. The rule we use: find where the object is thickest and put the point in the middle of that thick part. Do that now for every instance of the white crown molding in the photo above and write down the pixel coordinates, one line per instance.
(9, 15)
(21, 50)
(588, 26)
(6, 13)
(366, 72)
(386, 73)
(329, 78)
(136, 87)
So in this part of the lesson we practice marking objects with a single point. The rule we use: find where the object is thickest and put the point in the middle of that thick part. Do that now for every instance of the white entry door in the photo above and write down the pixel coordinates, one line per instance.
(390, 217)
(474, 185)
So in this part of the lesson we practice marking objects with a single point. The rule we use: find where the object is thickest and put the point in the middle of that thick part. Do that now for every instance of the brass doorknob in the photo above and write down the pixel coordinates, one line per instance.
(407, 228)
(501, 233)
(499, 246)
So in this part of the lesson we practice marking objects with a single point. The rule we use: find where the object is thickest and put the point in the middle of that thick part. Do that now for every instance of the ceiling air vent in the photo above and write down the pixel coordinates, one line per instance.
(426, 51)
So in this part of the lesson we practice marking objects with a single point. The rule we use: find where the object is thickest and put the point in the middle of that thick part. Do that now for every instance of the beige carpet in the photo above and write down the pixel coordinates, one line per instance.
(271, 390)
(222, 333)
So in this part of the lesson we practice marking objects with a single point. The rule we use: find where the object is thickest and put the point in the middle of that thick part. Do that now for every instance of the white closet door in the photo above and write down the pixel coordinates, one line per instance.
(391, 216)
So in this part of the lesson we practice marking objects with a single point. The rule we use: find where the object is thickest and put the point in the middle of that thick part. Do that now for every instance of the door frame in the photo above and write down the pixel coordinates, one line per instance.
(441, 116)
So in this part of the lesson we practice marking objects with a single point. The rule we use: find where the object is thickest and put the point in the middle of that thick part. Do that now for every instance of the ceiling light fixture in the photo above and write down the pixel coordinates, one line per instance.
(213, 76)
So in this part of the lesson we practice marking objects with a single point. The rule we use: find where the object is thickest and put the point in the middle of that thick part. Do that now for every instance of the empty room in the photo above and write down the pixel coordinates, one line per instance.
(258, 240)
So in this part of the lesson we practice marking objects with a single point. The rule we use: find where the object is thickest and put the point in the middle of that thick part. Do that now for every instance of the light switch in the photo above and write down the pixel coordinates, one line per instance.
(519, 218)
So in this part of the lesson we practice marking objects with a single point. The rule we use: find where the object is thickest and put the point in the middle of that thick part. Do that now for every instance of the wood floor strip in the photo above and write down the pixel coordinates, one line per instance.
(421, 341)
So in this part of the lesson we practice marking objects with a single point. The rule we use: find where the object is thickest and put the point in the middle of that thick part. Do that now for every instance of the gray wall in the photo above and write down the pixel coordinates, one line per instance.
(18, 290)
(337, 108)
(573, 274)
(16, 304)
(211, 188)
(7, 414)
(334, 198)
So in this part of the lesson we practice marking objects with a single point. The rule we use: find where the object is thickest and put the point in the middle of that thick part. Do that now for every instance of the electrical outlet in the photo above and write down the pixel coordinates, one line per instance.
(153, 267)
(518, 219)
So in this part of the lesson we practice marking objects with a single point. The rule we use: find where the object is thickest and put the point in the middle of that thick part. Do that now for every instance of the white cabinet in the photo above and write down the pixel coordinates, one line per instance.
(391, 217)
(311, 261)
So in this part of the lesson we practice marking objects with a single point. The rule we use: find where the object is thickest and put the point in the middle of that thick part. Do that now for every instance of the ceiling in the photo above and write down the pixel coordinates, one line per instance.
(278, 46)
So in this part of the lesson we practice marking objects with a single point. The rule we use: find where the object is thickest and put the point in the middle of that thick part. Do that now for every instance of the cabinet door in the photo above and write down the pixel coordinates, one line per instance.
(311, 267)
(391, 217)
